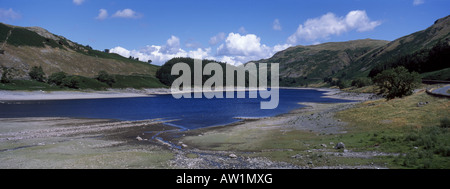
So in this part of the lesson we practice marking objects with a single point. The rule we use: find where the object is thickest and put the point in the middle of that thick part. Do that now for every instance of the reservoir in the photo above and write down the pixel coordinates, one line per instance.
(189, 113)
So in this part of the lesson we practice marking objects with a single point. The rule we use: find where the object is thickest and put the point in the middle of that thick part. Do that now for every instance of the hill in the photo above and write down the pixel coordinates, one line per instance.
(424, 51)
(422, 42)
(311, 63)
(21, 48)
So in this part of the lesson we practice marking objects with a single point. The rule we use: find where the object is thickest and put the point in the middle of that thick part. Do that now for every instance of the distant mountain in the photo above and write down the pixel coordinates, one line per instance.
(318, 61)
(21, 48)
(348, 60)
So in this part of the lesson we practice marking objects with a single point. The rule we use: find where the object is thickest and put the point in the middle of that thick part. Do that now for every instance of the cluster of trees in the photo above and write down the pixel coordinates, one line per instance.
(62, 79)
(164, 73)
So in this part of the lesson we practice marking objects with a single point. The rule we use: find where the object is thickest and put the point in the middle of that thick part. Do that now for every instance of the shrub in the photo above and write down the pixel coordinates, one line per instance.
(445, 123)
(342, 84)
(57, 78)
(361, 82)
(6, 75)
(37, 74)
(71, 82)
(104, 77)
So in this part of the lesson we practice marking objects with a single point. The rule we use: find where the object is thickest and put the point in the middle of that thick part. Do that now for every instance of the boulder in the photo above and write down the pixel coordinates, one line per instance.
(340, 145)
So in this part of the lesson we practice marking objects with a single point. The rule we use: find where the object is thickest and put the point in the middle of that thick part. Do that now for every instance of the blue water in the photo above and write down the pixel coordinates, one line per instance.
(190, 113)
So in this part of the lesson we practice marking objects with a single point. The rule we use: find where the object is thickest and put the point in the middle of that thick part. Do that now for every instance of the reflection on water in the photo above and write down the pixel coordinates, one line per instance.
(189, 113)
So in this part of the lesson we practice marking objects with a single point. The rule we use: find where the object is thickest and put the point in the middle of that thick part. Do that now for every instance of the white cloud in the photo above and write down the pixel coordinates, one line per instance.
(172, 45)
(161, 54)
(236, 49)
(239, 49)
(103, 14)
(8, 14)
(418, 2)
(276, 25)
(217, 38)
(242, 45)
(329, 24)
(126, 13)
(78, 2)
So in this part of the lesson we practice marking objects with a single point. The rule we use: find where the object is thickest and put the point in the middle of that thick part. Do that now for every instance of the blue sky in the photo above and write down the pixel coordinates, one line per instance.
(227, 30)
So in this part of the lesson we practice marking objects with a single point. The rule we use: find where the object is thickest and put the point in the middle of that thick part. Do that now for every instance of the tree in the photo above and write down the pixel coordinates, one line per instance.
(37, 74)
(71, 82)
(361, 82)
(397, 82)
(57, 78)
(104, 77)
(6, 75)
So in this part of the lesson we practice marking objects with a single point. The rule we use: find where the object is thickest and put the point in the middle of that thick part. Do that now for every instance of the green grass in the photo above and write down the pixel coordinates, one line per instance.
(137, 81)
(90, 83)
(443, 74)
(122, 81)
(399, 126)
(27, 85)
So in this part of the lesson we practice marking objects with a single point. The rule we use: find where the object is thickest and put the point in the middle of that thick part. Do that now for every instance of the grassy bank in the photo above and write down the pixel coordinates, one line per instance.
(403, 126)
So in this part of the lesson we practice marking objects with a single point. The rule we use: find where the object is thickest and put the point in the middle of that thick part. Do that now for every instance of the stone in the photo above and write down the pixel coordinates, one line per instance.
(139, 138)
(232, 156)
(340, 145)
(323, 145)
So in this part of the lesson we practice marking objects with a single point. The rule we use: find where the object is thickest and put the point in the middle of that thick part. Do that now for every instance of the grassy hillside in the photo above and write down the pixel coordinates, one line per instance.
(25, 47)
(405, 46)
(305, 64)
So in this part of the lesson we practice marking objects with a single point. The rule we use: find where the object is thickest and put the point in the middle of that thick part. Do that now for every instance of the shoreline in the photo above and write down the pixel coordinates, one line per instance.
(131, 93)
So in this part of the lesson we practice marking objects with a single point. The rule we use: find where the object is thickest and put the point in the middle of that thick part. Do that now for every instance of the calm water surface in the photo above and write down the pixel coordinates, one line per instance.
(190, 113)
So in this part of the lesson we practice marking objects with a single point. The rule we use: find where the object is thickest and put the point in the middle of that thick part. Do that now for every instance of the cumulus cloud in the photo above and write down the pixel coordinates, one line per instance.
(239, 49)
(329, 24)
(103, 14)
(242, 45)
(161, 54)
(172, 45)
(9, 14)
(236, 49)
(217, 38)
(276, 25)
(78, 2)
(418, 2)
(126, 13)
